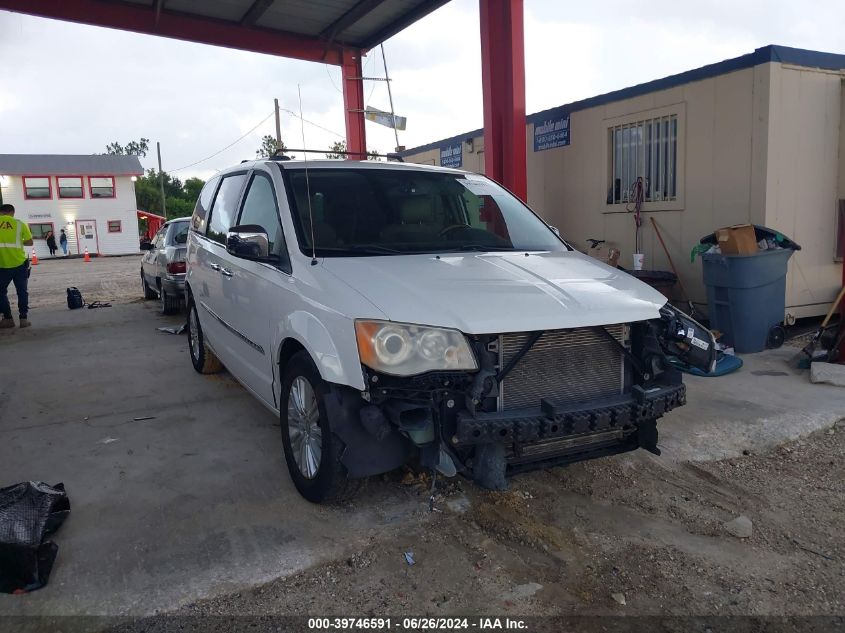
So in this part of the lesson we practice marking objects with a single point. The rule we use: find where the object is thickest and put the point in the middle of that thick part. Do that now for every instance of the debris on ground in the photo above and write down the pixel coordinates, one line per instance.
(523, 591)
(619, 598)
(107, 440)
(740, 527)
(144, 417)
(828, 374)
(29, 513)
(172, 329)
(409, 558)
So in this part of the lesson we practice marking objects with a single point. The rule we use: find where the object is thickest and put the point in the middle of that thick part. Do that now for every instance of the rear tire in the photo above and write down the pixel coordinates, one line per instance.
(149, 293)
(169, 303)
(316, 470)
(202, 358)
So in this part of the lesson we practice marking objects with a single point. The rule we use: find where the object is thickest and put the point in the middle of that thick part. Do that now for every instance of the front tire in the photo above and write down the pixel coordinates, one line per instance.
(202, 358)
(312, 450)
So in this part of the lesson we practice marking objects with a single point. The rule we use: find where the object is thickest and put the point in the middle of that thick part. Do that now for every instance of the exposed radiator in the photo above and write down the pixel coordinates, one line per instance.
(571, 365)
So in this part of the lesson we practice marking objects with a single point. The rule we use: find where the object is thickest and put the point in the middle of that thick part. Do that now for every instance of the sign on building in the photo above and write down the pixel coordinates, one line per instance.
(551, 133)
(452, 156)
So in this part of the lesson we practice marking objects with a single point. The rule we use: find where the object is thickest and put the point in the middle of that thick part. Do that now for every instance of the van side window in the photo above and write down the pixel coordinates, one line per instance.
(204, 204)
(224, 209)
(260, 208)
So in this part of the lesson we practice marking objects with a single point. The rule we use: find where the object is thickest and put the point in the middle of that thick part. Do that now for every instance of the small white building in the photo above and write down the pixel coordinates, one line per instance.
(91, 197)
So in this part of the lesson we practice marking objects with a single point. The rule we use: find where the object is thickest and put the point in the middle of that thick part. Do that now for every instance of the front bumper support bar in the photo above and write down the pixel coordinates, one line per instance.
(553, 420)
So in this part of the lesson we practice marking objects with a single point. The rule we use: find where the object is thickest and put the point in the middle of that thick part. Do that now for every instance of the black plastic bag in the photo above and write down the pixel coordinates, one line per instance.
(29, 512)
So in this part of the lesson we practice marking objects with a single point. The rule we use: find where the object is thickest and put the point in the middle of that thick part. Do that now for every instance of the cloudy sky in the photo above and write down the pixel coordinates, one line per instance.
(72, 89)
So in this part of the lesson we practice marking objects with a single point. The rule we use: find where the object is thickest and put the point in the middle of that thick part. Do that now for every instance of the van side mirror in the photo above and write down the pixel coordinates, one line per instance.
(249, 241)
(146, 246)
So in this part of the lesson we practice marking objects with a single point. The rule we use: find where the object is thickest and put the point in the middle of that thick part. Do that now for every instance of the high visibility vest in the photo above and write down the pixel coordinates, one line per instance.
(12, 253)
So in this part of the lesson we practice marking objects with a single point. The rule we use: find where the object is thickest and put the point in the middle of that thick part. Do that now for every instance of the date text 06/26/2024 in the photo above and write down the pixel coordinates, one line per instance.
(416, 624)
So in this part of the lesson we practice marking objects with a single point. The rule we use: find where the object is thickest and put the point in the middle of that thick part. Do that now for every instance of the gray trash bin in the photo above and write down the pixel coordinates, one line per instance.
(746, 295)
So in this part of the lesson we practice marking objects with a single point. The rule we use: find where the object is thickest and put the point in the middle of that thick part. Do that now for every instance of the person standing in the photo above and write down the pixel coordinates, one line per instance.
(14, 265)
(51, 243)
(63, 242)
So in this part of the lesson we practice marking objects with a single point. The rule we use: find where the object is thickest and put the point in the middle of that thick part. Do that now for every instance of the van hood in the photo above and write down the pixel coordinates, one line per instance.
(487, 293)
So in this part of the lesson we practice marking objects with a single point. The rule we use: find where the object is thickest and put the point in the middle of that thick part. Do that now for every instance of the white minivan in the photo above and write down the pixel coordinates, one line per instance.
(390, 312)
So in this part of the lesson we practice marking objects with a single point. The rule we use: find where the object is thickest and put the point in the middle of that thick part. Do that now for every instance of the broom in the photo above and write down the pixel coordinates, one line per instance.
(803, 358)
(674, 270)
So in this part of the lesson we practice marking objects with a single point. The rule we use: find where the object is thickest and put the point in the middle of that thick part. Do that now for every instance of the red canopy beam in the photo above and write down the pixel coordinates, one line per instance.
(503, 85)
(353, 101)
(145, 19)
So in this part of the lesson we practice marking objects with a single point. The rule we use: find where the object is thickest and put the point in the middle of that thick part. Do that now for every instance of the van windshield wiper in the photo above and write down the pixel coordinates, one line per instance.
(360, 249)
(473, 246)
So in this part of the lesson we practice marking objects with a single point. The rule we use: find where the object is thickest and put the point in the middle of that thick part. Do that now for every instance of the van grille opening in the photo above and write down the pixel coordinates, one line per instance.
(571, 365)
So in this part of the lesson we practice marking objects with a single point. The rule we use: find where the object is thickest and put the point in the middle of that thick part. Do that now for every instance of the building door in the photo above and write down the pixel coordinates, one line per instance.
(86, 237)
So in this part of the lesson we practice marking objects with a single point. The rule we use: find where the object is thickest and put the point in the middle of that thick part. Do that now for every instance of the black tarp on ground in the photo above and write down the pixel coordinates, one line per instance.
(29, 512)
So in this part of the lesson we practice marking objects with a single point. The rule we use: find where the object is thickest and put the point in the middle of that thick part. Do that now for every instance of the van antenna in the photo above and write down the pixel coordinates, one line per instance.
(307, 182)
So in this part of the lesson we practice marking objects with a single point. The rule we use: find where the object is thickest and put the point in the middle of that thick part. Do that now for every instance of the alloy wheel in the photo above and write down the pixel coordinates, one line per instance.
(306, 436)
(193, 327)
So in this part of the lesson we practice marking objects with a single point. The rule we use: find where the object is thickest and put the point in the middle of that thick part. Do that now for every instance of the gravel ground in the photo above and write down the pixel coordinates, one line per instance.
(629, 535)
(114, 279)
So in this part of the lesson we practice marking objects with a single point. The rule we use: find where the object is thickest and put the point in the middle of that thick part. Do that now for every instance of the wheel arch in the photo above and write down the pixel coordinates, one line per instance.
(334, 351)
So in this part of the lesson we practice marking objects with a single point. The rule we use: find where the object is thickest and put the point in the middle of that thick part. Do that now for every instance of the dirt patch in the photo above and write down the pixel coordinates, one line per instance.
(113, 279)
(581, 540)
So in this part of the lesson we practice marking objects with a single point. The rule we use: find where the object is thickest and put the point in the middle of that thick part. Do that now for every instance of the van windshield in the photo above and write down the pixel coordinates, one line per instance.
(387, 212)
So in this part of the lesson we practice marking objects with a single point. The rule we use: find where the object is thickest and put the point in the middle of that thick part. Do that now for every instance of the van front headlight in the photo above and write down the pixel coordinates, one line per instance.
(405, 349)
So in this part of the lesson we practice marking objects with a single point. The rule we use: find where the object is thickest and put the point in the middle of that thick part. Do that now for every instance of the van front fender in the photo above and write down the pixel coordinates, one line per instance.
(330, 342)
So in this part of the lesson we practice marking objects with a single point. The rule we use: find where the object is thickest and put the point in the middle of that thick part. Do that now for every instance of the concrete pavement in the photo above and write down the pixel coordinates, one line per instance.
(193, 502)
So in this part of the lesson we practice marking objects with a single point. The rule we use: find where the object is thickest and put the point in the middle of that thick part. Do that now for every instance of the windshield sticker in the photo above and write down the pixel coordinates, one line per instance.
(478, 187)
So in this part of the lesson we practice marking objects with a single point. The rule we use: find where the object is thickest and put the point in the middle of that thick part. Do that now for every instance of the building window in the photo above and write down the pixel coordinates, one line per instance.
(37, 188)
(70, 186)
(114, 226)
(101, 186)
(40, 230)
(644, 159)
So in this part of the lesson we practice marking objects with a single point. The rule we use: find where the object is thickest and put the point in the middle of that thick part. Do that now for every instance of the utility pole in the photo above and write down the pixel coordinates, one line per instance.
(278, 126)
(161, 180)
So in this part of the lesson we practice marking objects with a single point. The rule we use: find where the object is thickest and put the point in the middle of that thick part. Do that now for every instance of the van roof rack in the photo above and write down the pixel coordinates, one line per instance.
(392, 156)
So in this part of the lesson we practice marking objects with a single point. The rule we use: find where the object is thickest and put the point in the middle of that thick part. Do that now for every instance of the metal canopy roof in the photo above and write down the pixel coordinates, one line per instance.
(314, 30)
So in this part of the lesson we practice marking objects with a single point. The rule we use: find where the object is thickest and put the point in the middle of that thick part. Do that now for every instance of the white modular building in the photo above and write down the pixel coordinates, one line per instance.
(91, 197)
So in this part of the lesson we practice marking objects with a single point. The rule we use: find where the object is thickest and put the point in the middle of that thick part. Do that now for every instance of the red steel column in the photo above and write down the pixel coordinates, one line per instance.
(503, 79)
(353, 103)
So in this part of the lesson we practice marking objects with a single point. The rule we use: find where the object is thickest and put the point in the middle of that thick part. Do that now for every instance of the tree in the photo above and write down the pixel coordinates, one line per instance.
(192, 188)
(269, 146)
(136, 148)
(338, 150)
(179, 198)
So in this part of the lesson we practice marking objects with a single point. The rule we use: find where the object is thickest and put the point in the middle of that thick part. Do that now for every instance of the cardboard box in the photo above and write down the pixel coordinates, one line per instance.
(739, 239)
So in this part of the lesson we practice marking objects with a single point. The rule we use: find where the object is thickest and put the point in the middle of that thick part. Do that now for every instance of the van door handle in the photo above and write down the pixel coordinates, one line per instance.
(225, 272)
(214, 267)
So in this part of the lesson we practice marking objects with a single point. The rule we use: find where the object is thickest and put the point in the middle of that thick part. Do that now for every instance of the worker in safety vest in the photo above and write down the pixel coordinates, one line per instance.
(14, 265)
